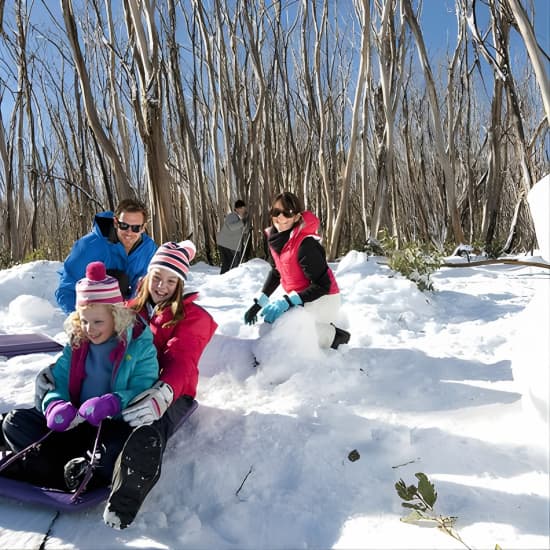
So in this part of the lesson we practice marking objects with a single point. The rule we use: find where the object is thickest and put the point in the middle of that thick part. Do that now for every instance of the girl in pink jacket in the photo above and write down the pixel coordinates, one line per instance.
(181, 330)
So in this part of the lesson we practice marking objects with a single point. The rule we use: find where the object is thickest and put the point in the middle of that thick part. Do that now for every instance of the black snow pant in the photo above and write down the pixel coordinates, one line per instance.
(45, 465)
(228, 259)
(169, 422)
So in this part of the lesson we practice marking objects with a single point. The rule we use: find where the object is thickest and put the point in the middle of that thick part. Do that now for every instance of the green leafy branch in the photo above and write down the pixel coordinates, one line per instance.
(421, 499)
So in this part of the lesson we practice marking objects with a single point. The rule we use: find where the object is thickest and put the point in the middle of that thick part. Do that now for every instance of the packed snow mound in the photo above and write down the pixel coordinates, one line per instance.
(539, 204)
(531, 360)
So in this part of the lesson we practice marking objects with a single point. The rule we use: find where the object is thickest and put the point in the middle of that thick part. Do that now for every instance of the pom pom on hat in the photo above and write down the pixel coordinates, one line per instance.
(95, 271)
(98, 287)
(174, 257)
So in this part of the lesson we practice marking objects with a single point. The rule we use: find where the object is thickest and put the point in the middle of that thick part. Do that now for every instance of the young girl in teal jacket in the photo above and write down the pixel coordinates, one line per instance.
(109, 360)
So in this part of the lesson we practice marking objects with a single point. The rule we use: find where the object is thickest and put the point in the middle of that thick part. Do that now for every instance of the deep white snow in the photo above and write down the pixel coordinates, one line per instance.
(426, 384)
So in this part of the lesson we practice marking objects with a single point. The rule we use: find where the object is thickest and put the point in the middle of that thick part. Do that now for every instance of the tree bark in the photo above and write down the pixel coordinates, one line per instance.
(122, 183)
(438, 126)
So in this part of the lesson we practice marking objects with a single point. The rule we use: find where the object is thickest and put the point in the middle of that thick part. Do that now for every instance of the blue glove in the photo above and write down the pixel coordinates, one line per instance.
(275, 309)
(251, 316)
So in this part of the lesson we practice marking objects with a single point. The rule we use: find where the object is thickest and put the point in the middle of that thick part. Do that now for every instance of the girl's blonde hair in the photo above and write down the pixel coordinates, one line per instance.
(175, 302)
(123, 318)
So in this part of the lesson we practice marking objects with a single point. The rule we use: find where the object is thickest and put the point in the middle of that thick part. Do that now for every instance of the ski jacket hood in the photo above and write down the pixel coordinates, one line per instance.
(100, 244)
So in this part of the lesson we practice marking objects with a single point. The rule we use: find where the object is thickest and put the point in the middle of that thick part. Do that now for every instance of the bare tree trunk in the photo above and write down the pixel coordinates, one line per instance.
(20, 212)
(363, 10)
(258, 118)
(390, 63)
(494, 175)
(438, 126)
(11, 234)
(32, 162)
(364, 173)
(534, 50)
(149, 114)
(500, 25)
(194, 169)
(323, 154)
(121, 179)
(207, 44)
(121, 120)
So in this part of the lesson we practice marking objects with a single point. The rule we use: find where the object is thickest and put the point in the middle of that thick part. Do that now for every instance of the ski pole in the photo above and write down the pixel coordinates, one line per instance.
(90, 468)
(238, 248)
(245, 245)
(23, 452)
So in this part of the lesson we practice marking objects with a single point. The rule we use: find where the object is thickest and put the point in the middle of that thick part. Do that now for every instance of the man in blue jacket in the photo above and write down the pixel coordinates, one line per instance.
(119, 241)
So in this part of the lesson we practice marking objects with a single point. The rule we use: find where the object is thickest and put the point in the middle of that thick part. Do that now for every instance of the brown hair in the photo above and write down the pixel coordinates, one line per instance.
(289, 201)
(175, 302)
(131, 205)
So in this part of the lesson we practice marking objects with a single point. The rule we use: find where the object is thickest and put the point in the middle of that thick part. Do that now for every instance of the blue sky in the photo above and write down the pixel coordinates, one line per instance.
(439, 24)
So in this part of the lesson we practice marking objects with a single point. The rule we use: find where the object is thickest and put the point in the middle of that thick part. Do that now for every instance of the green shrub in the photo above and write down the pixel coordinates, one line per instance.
(494, 249)
(388, 242)
(416, 264)
(34, 255)
(6, 259)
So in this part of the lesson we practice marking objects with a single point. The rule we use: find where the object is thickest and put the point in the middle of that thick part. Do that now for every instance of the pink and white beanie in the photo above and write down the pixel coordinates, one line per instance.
(174, 257)
(98, 287)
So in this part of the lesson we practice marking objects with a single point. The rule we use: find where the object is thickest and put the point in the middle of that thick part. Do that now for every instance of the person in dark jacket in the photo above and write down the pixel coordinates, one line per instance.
(110, 359)
(119, 241)
(230, 237)
(299, 265)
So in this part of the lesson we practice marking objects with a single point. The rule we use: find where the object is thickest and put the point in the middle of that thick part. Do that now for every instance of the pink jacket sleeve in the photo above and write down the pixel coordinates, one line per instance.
(180, 356)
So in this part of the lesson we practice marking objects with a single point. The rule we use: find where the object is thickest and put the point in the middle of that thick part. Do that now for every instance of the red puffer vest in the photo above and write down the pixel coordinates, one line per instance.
(286, 262)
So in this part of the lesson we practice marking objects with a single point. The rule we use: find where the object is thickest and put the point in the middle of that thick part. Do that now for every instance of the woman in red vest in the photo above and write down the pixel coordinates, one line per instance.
(300, 266)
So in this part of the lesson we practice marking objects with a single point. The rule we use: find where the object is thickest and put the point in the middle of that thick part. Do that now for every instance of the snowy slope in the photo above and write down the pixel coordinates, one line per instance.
(425, 385)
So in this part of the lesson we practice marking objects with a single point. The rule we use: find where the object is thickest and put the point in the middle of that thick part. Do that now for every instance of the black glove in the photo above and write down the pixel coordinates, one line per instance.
(251, 316)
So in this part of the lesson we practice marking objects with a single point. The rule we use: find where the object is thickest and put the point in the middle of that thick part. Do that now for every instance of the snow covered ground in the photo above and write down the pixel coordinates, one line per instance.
(425, 385)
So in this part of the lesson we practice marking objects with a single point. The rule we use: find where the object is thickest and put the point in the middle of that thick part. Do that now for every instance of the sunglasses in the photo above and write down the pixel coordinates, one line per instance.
(286, 213)
(136, 228)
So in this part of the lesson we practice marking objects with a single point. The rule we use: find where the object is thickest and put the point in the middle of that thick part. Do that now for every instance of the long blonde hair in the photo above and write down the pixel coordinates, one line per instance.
(175, 302)
(123, 318)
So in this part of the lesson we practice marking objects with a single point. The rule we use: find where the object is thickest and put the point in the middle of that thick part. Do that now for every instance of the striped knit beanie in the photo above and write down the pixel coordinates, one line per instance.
(174, 257)
(98, 287)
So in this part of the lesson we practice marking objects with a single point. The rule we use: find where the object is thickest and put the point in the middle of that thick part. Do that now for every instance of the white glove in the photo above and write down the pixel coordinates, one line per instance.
(149, 405)
(42, 385)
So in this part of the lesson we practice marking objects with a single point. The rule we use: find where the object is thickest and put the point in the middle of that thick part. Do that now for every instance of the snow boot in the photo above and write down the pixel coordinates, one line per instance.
(74, 472)
(137, 469)
(340, 337)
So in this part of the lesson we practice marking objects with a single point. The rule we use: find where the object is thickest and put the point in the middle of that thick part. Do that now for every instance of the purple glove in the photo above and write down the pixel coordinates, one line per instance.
(95, 409)
(61, 415)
